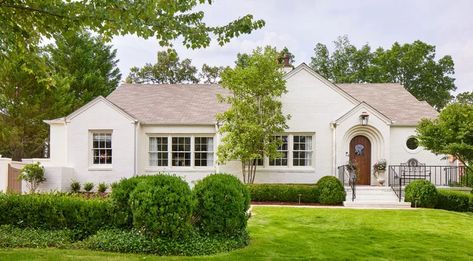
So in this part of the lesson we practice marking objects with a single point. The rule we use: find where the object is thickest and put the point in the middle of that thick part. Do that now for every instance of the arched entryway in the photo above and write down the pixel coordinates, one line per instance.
(360, 154)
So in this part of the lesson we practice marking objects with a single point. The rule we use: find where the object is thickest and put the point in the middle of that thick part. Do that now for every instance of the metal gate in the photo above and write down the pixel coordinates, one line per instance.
(14, 184)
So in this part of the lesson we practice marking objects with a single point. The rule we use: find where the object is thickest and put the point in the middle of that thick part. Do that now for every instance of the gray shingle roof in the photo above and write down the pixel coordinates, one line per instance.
(170, 103)
(197, 103)
(392, 100)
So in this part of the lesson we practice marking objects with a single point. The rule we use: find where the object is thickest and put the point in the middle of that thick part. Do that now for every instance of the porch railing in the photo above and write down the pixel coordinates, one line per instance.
(400, 176)
(395, 182)
(348, 178)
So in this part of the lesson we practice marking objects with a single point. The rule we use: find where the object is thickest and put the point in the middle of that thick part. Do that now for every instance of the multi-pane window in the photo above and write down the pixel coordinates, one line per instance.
(283, 150)
(203, 151)
(302, 151)
(158, 151)
(102, 148)
(181, 151)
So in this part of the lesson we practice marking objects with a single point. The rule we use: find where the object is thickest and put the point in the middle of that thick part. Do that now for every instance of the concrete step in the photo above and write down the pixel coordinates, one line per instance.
(374, 197)
(377, 204)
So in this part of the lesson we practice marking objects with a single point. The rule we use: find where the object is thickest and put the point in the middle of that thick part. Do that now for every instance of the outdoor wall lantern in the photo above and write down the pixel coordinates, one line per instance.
(364, 118)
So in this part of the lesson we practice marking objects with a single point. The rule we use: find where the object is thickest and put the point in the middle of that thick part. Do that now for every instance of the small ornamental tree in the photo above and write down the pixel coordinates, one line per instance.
(451, 133)
(255, 114)
(33, 174)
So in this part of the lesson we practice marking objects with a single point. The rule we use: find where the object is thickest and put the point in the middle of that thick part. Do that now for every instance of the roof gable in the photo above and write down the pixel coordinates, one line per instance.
(370, 108)
(94, 102)
(305, 67)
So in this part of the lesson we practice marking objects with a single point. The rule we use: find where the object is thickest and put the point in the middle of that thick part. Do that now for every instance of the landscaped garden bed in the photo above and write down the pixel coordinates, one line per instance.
(156, 214)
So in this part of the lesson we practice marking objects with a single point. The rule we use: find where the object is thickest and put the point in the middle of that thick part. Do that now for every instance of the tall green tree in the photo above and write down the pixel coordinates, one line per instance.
(210, 74)
(451, 133)
(25, 23)
(413, 65)
(465, 97)
(255, 114)
(168, 69)
(88, 64)
(29, 94)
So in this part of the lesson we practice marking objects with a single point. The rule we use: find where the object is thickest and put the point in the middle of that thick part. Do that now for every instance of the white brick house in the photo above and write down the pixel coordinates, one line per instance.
(143, 129)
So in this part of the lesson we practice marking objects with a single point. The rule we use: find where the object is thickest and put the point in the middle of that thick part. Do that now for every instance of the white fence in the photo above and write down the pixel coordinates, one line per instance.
(57, 178)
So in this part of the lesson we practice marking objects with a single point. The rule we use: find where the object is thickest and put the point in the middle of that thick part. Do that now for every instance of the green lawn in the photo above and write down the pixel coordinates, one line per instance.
(324, 233)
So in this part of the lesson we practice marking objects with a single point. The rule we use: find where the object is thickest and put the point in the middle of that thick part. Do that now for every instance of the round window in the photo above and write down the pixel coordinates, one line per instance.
(412, 143)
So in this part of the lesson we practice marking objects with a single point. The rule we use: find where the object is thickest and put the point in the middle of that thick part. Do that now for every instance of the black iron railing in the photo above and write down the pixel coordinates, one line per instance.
(400, 176)
(452, 176)
(348, 177)
(395, 182)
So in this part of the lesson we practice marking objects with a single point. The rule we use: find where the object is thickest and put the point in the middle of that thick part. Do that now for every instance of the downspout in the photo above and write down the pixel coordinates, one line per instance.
(217, 141)
(135, 149)
(333, 126)
(66, 149)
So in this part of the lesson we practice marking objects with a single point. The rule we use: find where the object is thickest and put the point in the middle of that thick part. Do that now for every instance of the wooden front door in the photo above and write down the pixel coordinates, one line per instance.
(360, 154)
(14, 184)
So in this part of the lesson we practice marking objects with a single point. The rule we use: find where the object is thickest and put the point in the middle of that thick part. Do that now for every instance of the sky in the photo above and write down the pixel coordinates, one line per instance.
(300, 24)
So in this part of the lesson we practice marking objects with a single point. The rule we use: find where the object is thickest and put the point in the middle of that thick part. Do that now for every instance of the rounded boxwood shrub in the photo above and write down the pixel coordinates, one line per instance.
(222, 204)
(162, 206)
(331, 191)
(120, 196)
(421, 193)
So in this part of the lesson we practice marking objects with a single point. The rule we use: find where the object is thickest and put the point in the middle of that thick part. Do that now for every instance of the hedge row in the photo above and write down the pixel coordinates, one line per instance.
(284, 193)
(422, 193)
(454, 200)
(328, 191)
(56, 211)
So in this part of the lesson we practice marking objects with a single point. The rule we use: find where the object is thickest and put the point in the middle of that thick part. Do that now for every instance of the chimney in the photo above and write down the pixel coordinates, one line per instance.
(287, 67)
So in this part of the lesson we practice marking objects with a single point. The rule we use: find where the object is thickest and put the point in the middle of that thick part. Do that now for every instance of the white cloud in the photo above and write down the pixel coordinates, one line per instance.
(299, 25)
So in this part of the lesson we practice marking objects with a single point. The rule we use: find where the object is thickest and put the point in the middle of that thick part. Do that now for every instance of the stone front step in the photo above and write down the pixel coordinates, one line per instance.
(373, 197)
(377, 204)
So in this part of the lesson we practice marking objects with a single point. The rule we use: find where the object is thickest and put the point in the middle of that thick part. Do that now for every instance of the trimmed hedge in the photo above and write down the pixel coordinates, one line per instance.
(454, 200)
(222, 202)
(331, 190)
(284, 193)
(162, 205)
(56, 211)
(421, 193)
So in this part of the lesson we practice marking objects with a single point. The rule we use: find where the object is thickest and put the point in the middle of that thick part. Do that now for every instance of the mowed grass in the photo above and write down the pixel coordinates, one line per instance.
(282, 233)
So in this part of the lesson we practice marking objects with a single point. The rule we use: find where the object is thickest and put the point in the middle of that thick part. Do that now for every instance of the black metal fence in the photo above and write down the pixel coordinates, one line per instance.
(453, 176)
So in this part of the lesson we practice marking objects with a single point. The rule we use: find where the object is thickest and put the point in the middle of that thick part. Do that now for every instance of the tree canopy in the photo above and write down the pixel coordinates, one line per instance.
(88, 64)
(168, 69)
(451, 133)
(50, 82)
(255, 115)
(413, 65)
(465, 97)
(26, 23)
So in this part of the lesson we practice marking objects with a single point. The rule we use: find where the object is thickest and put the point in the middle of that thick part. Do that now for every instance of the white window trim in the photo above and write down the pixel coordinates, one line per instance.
(414, 151)
(99, 167)
(290, 166)
(169, 167)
